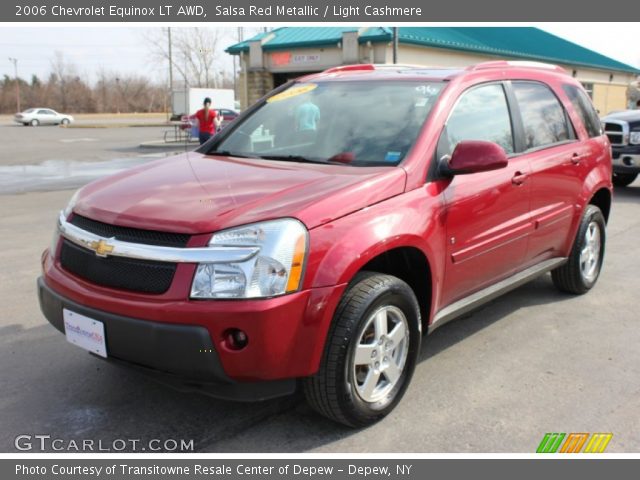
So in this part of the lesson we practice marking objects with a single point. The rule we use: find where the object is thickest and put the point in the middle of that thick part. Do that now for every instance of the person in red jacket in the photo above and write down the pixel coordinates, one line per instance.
(208, 121)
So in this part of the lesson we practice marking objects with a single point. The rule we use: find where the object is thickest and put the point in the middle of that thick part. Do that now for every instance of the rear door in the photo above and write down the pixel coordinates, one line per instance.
(559, 164)
(487, 214)
(45, 116)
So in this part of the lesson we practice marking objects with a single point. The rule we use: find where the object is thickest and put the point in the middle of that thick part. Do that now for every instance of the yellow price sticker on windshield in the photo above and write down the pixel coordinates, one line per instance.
(292, 92)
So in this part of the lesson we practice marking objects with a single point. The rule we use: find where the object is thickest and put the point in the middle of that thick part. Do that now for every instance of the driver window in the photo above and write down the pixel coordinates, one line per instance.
(480, 114)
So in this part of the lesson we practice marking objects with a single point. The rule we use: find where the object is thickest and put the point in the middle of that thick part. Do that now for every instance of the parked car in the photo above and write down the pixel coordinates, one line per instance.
(227, 116)
(315, 240)
(623, 130)
(42, 116)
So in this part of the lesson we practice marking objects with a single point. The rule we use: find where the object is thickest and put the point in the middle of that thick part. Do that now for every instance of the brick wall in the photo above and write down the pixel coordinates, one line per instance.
(258, 84)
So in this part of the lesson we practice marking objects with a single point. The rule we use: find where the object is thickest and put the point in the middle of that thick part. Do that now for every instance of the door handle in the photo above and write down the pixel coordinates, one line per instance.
(519, 178)
(576, 158)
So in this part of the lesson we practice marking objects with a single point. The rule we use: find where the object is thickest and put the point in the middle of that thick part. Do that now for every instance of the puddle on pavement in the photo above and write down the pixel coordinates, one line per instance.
(63, 174)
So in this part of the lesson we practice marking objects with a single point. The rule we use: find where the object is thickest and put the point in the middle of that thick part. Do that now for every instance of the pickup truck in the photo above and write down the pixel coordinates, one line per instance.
(623, 130)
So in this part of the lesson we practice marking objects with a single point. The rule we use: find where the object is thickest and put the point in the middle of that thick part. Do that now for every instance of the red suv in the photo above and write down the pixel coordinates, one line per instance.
(338, 219)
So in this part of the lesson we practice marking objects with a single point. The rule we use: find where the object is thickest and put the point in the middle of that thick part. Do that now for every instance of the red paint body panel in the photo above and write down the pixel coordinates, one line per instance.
(194, 193)
(488, 224)
(473, 229)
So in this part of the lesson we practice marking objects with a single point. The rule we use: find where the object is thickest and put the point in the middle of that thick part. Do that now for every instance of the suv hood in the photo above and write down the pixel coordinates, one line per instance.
(627, 115)
(194, 193)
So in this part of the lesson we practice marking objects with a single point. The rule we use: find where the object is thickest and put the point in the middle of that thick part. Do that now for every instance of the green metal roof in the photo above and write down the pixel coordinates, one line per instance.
(292, 37)
(513, 42)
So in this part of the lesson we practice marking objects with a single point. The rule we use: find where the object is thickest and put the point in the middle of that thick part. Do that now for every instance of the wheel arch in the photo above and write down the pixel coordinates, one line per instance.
(411, 265)
(602, 199)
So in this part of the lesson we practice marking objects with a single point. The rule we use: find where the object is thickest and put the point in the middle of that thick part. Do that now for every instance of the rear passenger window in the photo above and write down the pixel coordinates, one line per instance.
(480, 114)
(543, 117)
(584, 108)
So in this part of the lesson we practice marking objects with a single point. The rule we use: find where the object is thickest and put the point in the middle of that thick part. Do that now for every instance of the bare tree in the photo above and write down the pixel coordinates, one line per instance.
(197, 53)
(59, 72)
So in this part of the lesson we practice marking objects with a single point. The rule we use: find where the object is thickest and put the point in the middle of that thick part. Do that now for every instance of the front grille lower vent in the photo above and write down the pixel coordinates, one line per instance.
(117, 272)
(133, 235)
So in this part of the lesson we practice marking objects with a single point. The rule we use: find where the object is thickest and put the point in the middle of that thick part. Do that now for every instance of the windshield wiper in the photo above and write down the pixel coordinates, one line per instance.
(291, 158)
(226, 153)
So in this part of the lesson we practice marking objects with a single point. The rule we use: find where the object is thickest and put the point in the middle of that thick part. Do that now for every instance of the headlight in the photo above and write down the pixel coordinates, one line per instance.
(72, 203)
(634, 137)
(275, 270)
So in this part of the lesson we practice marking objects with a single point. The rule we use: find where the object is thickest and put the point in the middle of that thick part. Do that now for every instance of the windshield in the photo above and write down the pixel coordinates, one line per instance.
(356, 123)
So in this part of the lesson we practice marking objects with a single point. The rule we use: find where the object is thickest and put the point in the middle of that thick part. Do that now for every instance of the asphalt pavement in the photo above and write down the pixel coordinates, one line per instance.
(531, 362)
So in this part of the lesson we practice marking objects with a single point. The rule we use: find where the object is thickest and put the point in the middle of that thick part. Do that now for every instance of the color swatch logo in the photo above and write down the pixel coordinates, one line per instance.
(573, 443)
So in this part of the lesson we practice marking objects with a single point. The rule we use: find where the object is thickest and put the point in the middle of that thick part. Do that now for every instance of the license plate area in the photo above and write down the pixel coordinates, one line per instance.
(85, 332)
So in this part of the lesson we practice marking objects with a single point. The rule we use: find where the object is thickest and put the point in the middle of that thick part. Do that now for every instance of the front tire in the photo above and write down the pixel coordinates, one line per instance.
(582, 269)
(34, 123)
(64, 122)
(623, 179)
(370, 354)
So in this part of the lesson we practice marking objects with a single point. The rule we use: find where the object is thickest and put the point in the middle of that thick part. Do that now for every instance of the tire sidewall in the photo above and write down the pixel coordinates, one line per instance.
(399, 295)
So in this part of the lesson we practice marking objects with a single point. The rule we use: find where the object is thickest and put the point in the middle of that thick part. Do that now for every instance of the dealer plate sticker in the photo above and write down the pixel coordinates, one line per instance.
(85, 332)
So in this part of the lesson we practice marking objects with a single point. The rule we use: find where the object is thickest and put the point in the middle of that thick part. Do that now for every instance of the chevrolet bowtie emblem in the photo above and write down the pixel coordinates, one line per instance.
(101, 248)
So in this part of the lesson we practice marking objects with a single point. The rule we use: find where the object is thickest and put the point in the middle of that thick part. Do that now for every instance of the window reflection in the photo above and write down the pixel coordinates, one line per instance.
(361, 123)
(480, 114)
(543, 117)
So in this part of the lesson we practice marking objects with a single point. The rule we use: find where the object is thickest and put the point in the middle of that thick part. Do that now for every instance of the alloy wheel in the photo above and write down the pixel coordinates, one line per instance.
(590, 253)
(381, 354)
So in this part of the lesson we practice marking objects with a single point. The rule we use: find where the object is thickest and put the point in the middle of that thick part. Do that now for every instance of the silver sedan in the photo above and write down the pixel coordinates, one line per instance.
(42, 116)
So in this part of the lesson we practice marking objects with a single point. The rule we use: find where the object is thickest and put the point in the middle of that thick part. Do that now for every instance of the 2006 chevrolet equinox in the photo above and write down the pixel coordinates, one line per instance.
(318, 236)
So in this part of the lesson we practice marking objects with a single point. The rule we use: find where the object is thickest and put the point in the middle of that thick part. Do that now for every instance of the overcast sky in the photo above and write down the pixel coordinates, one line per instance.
(124, 50)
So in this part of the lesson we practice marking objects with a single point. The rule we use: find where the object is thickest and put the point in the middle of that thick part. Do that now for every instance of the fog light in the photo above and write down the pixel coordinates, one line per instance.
(235, 339)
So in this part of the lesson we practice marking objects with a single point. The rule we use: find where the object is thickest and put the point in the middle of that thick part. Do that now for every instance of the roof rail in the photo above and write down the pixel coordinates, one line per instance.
(390, 66)
(370, 67)
(516, 63)
(351, 68)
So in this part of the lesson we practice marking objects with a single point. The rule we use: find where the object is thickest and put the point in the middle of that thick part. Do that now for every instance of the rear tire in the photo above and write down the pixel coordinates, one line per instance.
(582, 269)
(34, 123)
(370, 354)
(623, 179)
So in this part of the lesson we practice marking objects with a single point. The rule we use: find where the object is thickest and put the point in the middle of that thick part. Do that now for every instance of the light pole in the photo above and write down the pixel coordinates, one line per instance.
(15, 68)
(118, 95)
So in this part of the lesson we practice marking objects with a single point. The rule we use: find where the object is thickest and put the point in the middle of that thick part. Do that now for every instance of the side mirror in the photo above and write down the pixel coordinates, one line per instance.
(473, 156)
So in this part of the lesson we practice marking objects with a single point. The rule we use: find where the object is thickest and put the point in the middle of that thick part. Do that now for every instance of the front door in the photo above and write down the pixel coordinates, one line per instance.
(487, 214)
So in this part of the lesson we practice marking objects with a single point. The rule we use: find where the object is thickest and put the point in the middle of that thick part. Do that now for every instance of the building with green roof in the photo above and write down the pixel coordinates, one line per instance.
(272, 58)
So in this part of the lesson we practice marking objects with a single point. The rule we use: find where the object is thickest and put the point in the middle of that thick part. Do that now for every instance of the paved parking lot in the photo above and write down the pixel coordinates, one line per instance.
(534, 361)
(33, 145)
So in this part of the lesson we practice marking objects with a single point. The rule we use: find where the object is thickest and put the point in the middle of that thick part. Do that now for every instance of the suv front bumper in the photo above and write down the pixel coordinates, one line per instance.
(169, 353)
(184, 341)
(626, 160)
